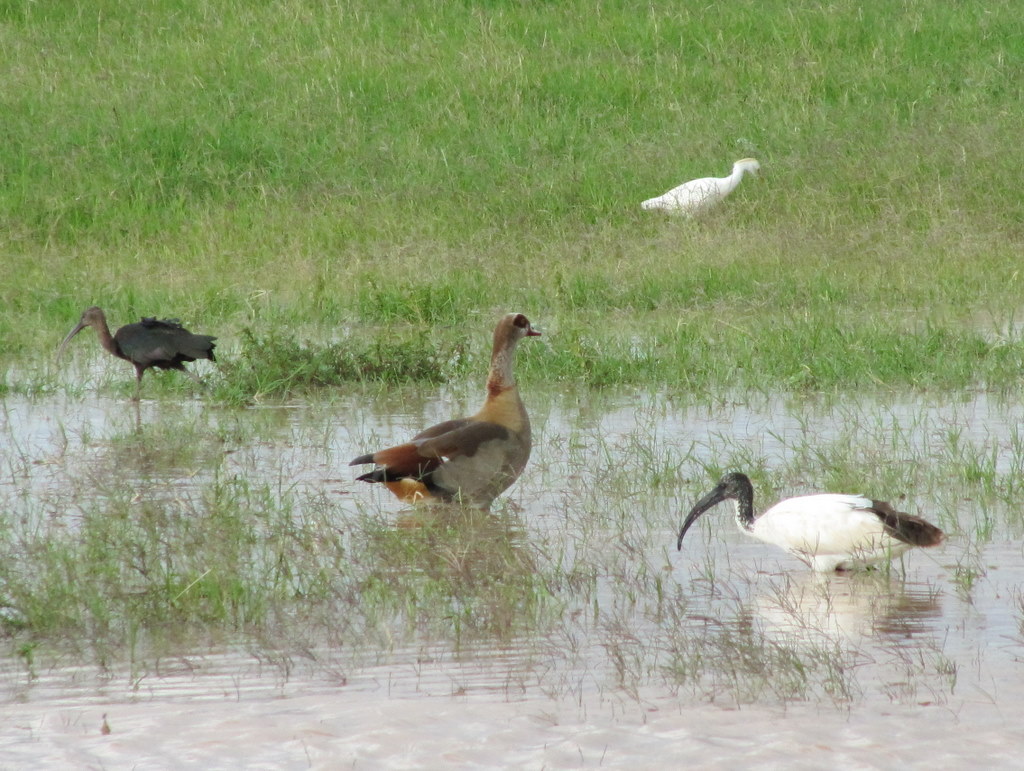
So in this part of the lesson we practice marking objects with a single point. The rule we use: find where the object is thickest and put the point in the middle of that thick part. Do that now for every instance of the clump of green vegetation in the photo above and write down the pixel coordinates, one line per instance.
(156, 563)
(276, 365)
(811, 352)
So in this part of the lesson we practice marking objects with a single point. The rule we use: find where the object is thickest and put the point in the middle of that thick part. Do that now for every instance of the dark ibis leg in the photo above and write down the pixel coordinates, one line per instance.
(138, 382)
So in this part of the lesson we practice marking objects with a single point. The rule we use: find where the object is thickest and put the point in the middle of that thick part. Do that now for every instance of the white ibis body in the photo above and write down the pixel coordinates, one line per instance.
(151, 342)
(469, 460)
(699, 195)
(828, 531)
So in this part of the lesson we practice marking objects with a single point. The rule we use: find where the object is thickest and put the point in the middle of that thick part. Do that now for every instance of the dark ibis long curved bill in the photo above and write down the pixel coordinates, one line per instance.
(78, 328)
(708, 501)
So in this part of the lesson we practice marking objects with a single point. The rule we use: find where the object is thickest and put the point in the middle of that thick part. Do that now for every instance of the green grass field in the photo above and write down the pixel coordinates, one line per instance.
(382, 176)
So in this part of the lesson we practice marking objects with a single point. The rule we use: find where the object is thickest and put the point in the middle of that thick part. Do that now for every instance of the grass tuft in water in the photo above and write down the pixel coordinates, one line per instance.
(276, 365)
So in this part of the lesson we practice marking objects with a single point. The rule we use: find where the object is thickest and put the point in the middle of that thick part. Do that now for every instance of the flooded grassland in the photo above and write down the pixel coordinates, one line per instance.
(196, 586)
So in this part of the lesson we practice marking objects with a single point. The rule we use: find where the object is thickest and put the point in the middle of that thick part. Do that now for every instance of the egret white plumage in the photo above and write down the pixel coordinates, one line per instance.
(828, 531)
(698, 195)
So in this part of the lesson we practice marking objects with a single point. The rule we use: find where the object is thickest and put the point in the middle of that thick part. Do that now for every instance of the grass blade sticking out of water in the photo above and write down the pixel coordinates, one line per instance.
(452, 572)
(232, 559)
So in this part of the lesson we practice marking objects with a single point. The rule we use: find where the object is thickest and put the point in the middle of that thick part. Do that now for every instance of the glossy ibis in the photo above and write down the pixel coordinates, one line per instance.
(471, 460)
(826, 531)
(149, 343)
(698, 195)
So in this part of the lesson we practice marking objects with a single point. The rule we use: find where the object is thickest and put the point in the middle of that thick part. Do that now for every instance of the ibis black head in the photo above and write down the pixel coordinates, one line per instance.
(734, 485)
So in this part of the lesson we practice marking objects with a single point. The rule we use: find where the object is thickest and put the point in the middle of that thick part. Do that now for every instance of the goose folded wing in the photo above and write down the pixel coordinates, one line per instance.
(430, 448)
(464, 438)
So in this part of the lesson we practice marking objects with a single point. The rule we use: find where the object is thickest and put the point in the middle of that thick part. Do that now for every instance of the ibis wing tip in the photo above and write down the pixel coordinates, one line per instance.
(908, 528)
(937, 537)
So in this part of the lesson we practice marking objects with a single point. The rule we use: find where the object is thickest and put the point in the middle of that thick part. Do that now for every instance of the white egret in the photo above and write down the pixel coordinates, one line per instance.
(698, 195)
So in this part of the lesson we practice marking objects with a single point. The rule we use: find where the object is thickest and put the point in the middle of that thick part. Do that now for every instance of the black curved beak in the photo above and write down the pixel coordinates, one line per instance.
(78, 328)
(713, 498)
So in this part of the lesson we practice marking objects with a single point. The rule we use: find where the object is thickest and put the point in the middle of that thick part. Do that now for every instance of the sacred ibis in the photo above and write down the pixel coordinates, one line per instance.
(827, 531)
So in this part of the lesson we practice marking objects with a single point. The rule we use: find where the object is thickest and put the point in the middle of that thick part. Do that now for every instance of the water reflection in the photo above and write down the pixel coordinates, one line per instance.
(856, 606)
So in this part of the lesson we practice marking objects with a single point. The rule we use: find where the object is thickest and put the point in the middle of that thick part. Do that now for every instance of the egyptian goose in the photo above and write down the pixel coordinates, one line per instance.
(470, 460)
(165, 344)
(826, 531)
(699, 195)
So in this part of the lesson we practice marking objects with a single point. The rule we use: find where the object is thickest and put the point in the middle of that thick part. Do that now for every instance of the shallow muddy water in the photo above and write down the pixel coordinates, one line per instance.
(728, 653)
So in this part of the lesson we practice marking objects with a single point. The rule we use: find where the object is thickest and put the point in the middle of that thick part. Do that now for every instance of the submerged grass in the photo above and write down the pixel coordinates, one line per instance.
(242, 528)
(465, 574)
(181, 527)
(233, 560)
